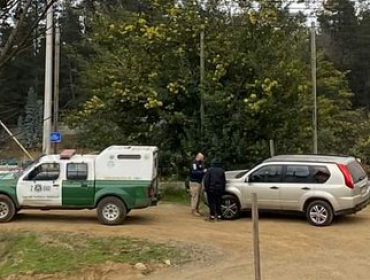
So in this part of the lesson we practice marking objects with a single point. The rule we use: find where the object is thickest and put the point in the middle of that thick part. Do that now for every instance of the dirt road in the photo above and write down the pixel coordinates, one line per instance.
(290, 248)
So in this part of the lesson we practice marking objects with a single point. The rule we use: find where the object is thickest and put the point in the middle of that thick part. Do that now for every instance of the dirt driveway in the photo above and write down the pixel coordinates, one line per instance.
(290, 248)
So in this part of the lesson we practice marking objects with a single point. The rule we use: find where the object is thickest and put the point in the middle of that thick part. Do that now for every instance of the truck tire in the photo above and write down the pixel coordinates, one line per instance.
(319, 213)
(7, 209)
(111, 211)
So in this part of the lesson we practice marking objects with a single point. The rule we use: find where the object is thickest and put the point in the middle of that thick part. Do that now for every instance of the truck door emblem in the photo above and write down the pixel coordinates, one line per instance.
(37, 188)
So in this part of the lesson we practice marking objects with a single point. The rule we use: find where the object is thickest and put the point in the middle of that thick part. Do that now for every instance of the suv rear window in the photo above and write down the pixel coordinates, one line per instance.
(306, 174)
(357, 172)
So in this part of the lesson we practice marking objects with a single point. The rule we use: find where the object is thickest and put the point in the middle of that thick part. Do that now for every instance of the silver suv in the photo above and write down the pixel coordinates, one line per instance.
(321, 187)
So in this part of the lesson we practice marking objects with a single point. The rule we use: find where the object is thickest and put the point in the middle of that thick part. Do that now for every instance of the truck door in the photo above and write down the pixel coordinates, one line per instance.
(78, 187)
(41, 186)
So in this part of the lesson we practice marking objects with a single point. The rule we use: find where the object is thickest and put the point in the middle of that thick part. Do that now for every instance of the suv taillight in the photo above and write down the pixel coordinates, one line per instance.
(347, 176)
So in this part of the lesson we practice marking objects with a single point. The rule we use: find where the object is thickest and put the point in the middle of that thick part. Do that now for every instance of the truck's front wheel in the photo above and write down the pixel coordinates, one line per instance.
(111, 211)
(7, 209)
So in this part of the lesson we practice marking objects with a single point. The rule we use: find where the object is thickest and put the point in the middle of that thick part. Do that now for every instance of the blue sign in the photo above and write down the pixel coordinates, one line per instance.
(55, 137)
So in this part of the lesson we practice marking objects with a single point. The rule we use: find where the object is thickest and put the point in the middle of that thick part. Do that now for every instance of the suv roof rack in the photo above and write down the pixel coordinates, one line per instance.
(310, 158)
(322, 155)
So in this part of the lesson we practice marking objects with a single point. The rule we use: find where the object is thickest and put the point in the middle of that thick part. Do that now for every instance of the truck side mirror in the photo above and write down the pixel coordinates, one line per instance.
(247, 179)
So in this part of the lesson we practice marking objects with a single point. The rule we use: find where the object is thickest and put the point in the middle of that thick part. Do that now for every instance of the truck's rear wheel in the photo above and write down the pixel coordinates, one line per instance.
(7, 209)
(111, 211)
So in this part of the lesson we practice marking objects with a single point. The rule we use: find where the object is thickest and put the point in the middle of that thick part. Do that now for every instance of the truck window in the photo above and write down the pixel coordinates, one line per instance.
(44, 172)
(77, 171)
(129, 156)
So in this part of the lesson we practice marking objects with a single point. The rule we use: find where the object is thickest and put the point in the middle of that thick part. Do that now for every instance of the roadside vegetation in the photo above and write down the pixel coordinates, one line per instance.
(174, 194)
(47, 253)
(130, 74)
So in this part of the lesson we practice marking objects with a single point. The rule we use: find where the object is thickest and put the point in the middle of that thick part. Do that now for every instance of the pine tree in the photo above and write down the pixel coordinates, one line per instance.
(345, 42)
(32, 123)
(25, 70)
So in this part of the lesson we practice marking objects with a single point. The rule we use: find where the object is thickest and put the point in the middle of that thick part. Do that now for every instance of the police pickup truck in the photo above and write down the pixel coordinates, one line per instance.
(116, 181)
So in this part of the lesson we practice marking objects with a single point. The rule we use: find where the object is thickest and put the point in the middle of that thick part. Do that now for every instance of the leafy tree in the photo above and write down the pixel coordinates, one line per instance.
(144, 83)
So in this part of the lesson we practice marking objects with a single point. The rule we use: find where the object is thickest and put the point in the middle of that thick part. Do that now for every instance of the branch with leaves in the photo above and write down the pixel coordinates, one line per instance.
(13, 13)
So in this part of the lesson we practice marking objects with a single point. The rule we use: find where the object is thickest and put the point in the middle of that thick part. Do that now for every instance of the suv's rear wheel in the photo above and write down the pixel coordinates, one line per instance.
(319, 213)
(111, 211)
(7, 209)
(230, 207)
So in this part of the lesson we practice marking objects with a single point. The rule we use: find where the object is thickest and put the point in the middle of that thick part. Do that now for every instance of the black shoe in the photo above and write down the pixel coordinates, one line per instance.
(210, 218)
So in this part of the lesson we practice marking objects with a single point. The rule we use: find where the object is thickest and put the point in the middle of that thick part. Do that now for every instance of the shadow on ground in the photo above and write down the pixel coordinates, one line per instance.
(55, 217)
(296, 217)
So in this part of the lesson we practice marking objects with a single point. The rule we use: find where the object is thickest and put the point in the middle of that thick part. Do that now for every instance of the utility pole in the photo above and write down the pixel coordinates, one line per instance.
(272, 148)
(48, 78)
(56, 82)
(202, 69)
(314, 93)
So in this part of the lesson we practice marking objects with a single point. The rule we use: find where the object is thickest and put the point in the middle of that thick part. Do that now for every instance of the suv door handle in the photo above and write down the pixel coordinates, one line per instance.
(274, 188)
(305, 188)
(55, 185)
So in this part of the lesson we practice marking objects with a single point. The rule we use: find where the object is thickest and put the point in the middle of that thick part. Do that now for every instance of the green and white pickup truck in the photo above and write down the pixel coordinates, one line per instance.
(117, 180)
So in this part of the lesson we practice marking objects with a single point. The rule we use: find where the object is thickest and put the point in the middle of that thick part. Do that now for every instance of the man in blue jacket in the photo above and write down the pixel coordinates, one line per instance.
(196, 177)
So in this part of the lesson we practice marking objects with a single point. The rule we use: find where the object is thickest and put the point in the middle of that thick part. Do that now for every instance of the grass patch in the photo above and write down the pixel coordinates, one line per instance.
(22, 253)
(175, 195)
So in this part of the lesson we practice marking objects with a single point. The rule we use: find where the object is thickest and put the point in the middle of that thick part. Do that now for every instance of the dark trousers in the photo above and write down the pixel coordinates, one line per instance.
(214, 203)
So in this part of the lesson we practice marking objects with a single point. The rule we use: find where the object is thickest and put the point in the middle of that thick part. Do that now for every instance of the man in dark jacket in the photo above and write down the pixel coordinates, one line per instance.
(196, 177)
(214, 184)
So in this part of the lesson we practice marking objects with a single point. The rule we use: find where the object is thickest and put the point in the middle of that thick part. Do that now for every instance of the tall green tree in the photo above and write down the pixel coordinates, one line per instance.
(26, 68)
(74, 50)
(32, 122)
(18, 13)
(144, 87)
(345, 42)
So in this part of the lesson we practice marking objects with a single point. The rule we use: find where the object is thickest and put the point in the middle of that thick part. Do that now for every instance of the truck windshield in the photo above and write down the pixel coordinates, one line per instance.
(31, 164)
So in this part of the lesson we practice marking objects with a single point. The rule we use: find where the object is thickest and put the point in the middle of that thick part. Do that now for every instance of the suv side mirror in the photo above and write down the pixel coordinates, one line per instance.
(247, 179)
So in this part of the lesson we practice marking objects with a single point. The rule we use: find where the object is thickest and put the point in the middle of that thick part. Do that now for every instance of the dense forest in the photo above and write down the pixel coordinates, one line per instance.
(130, 74)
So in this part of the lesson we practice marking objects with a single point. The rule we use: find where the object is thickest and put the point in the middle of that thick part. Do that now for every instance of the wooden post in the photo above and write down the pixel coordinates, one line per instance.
(256, 241)
(272, 148)
(16, 140)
